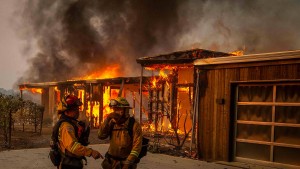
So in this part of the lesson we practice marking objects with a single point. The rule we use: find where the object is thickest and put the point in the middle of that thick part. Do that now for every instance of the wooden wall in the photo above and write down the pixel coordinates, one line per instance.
(214, 132)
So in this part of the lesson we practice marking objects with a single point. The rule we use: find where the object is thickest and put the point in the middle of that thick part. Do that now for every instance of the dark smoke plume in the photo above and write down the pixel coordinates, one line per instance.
(77, 37)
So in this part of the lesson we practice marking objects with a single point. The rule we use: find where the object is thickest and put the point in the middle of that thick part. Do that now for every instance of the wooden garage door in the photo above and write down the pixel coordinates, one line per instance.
(267, 122)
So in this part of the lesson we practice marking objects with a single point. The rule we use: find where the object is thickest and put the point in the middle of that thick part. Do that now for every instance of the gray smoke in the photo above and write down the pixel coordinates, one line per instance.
(77, 37)
(256, 26)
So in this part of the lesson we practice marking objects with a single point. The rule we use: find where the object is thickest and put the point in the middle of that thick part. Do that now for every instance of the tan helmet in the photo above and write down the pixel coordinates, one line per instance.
(119, 102)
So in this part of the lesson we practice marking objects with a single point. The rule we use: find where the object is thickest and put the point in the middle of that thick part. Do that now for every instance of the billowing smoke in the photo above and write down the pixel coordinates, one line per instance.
(255, 26)
(77, 37)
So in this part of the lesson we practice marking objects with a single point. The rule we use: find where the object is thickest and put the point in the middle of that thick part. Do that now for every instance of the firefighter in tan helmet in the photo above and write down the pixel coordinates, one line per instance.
(124, 148)
(72, 144)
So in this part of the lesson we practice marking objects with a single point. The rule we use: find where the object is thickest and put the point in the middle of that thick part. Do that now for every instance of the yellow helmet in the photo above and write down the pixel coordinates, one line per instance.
(119, 102)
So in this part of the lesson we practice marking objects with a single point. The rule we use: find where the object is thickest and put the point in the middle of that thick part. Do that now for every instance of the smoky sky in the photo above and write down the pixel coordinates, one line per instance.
(77, 37)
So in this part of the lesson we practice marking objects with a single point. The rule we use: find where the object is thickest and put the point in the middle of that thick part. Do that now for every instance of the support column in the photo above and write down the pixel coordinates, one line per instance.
(91, 106)
(141, 95)
(173, 97)
(100, 103)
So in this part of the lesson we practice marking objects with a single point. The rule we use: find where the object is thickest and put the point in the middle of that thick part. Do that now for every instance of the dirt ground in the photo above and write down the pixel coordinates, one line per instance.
(30, 139)
(31, 149)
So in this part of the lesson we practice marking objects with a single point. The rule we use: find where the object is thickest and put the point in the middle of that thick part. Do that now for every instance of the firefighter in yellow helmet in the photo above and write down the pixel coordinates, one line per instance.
(72, 145)
(124, 149)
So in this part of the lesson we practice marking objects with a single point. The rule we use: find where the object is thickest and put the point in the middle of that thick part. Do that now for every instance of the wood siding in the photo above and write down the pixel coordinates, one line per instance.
(214, 132)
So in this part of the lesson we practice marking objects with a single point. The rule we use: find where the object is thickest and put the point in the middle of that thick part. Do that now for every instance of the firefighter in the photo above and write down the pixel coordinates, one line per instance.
(71, 144)
(124, 149)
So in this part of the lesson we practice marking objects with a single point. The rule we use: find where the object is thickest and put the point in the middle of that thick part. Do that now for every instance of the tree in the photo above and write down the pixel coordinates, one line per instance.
(8, 105)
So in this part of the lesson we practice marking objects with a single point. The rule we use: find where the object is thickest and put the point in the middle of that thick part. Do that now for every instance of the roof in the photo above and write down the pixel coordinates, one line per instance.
(180, 57)
(108, 81)
(275, 56)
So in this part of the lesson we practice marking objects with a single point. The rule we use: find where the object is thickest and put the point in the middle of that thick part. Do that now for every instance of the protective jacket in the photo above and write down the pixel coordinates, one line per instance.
(68, 142)
(122, 147)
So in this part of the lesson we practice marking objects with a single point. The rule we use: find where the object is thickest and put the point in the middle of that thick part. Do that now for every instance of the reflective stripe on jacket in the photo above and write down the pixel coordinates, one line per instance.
(121, 144)
(68, 141)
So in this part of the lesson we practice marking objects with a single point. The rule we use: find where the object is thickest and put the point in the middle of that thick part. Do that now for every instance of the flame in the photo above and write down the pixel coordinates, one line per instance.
(154, 83)
(106, 98)
(162, 74)
(108, 72)
(165, 127)
(57, 95)
(81, 97)
(237, 53)
(183, 89)
(152, 127)
(167, 67)
(93, 107)
(33, 90)
(157, 81)
(164, 77)
(56, 89)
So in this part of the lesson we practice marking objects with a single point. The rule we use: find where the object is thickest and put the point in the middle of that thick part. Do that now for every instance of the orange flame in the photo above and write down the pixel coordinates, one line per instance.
(162, 74)
(33, 90)
(165, 67)
(109, 72)
(92, 107)
(183, 89)
(106, 98)
(165, 127)
(156, 81)
(95, 105)
(237, 53)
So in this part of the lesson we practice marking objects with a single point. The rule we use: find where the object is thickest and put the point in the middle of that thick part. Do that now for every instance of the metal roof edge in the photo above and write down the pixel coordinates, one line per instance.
(155, 58)
(249, 58)
(38, 85)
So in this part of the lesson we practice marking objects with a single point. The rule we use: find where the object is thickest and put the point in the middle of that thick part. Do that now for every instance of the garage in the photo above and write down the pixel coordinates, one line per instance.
(249, 108)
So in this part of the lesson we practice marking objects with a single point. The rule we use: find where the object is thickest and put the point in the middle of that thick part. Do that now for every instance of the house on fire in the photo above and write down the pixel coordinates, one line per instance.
(94, 93)
(244, 108)
(172, 95)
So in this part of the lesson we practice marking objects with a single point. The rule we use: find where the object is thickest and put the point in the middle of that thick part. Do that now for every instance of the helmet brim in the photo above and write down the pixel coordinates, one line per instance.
(121, 107)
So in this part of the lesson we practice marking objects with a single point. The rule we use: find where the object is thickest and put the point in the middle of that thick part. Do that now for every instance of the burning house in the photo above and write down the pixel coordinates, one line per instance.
(244, 108)
(172, 91)
(94, 93)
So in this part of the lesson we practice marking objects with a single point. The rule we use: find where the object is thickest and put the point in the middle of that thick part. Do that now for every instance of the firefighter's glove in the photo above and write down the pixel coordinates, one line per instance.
(127, 164)
(96, 154)
(113, 117)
